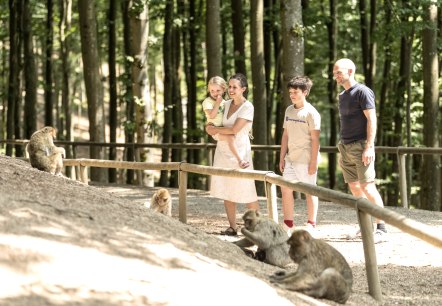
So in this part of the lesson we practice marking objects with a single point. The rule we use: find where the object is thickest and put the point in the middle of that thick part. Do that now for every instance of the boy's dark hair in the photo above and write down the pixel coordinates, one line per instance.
(243, 81)
(301, 82)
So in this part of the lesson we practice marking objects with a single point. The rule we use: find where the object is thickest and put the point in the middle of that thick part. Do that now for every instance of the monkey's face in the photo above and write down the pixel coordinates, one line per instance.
(51, 131)
(163, 197)
(299, 244)
(251, 218)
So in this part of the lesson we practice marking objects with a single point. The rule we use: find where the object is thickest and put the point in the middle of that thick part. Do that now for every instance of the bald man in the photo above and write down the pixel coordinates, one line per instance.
(357, 114)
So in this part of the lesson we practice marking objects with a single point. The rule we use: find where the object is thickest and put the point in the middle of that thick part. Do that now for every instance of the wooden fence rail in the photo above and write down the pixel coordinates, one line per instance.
(364, 209)
(400, 153)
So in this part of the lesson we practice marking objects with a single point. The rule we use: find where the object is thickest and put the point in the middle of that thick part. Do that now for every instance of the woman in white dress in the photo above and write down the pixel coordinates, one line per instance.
(237, 120)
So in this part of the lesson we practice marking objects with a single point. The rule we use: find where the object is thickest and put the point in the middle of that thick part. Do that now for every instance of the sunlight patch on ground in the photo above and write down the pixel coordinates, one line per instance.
(62, 272)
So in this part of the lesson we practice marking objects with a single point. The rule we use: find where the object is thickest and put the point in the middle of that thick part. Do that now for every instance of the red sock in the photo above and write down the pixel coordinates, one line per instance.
(313, 223)
(289, 223)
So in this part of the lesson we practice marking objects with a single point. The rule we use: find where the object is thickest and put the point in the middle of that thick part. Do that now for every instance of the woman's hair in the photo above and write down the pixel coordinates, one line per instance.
(243, 81)
(217, 80)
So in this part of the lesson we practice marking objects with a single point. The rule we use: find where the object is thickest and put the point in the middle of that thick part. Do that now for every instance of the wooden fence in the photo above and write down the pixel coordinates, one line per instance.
(364, 209)
(208, 148)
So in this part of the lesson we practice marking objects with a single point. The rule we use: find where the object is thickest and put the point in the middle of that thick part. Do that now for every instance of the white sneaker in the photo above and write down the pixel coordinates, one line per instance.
(310, 228)
(287, 229)
(380, 236)
(355, 235)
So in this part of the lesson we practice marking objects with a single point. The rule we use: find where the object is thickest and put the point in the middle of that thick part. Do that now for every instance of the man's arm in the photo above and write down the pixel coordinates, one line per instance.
(368, 154)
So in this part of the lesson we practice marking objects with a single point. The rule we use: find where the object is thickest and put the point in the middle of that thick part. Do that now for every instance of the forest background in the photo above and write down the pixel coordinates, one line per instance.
(138, 69)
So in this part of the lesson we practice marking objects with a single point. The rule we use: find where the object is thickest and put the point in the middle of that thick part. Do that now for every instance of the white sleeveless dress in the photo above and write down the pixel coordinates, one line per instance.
(229, 188)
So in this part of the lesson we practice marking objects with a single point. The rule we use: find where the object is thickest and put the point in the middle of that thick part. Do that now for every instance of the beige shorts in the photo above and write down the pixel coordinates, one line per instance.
(298, 172)
(353, 169)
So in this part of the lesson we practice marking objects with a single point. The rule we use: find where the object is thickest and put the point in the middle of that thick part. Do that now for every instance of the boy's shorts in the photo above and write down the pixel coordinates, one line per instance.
(353, 169)
(298, 172)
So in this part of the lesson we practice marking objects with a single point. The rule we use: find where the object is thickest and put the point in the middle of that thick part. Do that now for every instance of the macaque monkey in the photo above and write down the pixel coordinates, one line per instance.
(269, 236)
(43, 154)
(162, 202)
(322, 271)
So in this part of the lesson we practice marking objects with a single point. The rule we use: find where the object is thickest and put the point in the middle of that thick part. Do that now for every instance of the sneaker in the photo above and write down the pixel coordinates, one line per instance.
(355, 235)
(380, 236)
(310, 228)
(287, 229)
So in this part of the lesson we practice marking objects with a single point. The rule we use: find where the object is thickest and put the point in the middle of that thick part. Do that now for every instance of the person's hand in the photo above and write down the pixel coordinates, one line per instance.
(312, 167)
(281, 165)
(210, 129)
(219, 99)
(368, 155)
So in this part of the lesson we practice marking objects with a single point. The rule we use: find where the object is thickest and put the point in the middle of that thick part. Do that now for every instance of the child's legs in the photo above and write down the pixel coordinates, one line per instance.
(288, 203)
(312, 207)
(230, 139)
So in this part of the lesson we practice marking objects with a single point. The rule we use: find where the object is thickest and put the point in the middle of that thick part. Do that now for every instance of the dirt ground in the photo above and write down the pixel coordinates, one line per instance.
(66, 243)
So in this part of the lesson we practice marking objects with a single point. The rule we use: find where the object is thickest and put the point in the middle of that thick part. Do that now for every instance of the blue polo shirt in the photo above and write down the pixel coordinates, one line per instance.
(352, 103)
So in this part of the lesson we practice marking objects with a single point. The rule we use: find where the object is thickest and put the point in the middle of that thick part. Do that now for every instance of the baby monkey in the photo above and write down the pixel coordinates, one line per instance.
(43, 154)
(162, 202)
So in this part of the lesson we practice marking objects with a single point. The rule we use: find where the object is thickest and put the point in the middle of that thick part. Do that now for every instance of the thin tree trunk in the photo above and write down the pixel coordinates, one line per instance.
(259, 86)
(30, 74)
(213, 39)
(113, 114)
(13, 78)
(332, 29)
(168, 83)
(238, 37)
(18, 99)
(140, 83)
(92, 78)
(430, 193)
(365, 38)
(129, 129)
(49, 103)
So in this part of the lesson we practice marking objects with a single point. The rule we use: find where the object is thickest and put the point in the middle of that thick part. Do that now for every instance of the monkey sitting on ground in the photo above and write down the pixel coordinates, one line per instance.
(322, 271)
(162, 202)
(43, 154)
(269, 236)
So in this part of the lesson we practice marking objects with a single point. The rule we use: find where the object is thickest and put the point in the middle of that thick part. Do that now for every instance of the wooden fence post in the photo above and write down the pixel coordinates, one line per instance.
(182, 182)
(402, 179)
(366, 226)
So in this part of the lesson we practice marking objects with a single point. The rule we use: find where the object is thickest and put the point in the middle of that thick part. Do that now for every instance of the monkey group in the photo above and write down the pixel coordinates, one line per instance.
(43, 154)
(162, 202)
(322, 271)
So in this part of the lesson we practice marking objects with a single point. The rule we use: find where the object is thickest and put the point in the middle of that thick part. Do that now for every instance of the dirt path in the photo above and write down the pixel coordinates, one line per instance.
(66, 243)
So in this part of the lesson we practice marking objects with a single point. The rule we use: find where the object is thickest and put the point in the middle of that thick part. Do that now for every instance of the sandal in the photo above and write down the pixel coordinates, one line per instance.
(229, 232)
(244, 164)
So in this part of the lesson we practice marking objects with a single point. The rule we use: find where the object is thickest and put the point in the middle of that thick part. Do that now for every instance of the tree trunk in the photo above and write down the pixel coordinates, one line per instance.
(365, 38)
(292, 30)
(49, 103)
(65, 46)
(332, 30)
(239, 52)
(139, 25)
(213, 40)
(92, 79)
(113, 97)
(430, 193)
(259, 84)
(129, 127)
(177, 110)
(168, 86)
(13, 78)
(18, 100)
(30, 74)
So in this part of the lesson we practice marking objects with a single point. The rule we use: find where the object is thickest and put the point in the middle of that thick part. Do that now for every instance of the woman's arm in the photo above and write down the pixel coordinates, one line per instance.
(239, 124)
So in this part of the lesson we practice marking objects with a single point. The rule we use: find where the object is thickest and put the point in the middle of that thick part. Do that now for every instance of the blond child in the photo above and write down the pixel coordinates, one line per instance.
(213, 107)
